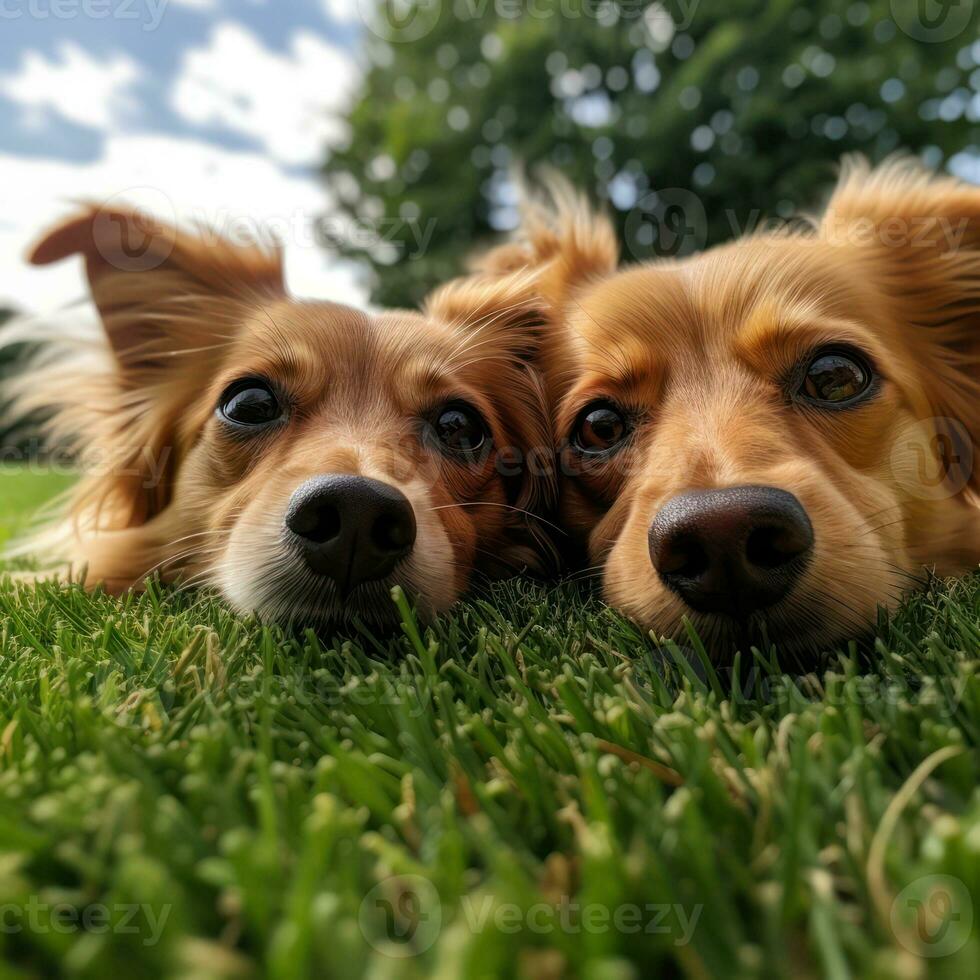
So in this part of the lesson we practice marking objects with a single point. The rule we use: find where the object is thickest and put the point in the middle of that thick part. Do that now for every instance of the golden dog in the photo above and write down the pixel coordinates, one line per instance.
(301, 457)
(775, 436)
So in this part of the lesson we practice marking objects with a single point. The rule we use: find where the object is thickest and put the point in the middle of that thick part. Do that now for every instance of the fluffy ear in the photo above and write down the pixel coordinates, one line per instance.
(562, 244)
(505, 308)
(141, 269)
(917, 237)
(169, 300)
(521, 289)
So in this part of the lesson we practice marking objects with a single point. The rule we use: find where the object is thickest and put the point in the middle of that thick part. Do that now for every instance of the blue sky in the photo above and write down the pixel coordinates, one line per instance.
(214, 110)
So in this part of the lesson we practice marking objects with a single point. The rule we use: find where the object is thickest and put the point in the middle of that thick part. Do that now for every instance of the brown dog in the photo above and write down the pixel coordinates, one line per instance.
(302, 457)
(776, 435)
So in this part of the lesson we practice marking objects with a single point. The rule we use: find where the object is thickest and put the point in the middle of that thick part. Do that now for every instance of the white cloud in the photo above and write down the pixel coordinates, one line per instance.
(344, 11)
(289, 102)
(74, 85)
(186, 179)
(196, 4)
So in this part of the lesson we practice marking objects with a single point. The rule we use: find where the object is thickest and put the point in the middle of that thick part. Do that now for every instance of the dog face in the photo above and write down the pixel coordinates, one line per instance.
(302, 457)
(778, 434)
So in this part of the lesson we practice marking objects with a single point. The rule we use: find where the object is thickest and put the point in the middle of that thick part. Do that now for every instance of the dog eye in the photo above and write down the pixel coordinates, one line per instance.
(460, 428)
(600, 427)
(836, 377)
(250, 403)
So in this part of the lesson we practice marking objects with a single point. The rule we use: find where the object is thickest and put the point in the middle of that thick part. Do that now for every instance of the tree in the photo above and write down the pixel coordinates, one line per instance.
(11, 432)
(691, 120)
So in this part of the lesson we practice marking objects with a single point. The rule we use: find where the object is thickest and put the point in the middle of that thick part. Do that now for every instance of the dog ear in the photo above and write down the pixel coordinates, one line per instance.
(170, 301)
(523, 286)
(146, 276)
(505, 310)
(917, 238)
(562, 243)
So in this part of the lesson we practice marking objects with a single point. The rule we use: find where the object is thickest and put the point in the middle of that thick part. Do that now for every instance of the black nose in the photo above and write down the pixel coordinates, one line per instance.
(732, 551)
(351, 529)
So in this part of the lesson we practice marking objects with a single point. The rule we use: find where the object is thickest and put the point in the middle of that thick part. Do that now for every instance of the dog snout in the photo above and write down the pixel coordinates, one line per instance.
(731, 551)
(351, 529)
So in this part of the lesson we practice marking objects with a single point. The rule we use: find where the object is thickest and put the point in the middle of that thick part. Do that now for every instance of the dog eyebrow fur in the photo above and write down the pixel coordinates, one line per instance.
(769, 330)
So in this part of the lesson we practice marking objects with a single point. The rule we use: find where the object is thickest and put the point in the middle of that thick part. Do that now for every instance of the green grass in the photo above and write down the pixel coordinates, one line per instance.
(21, 493)
(557, 795)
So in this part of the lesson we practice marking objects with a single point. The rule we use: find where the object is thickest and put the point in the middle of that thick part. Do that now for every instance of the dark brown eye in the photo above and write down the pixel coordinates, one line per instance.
(836, 377)
(600, 428)
(460, 428)
(250, 403)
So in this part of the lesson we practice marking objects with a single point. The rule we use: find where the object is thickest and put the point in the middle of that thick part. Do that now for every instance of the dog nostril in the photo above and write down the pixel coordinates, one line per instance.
(772, 547)
(734, 550)
(683, 556)
(764, 547)
(318, 524)
(392, 533)
(350, 529)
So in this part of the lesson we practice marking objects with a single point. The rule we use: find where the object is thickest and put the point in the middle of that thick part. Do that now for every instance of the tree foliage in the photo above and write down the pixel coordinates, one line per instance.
(690, 120)
(11, 432)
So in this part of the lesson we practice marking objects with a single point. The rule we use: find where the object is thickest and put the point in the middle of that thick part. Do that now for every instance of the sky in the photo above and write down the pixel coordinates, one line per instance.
(213, 110)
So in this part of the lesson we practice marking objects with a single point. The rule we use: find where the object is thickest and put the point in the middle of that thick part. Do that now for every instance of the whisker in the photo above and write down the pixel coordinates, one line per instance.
(490, 503)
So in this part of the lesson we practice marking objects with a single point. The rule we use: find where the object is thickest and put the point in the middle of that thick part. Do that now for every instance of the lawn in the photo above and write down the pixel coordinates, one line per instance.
(22, 492)
(530, 788)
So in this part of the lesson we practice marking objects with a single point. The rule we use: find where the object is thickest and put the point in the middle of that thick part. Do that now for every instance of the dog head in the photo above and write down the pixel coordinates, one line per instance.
(778, 434)
(302, 457)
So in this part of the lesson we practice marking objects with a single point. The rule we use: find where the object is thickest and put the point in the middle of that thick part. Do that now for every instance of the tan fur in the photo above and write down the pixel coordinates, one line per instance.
(164, 488)
(700, 351)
